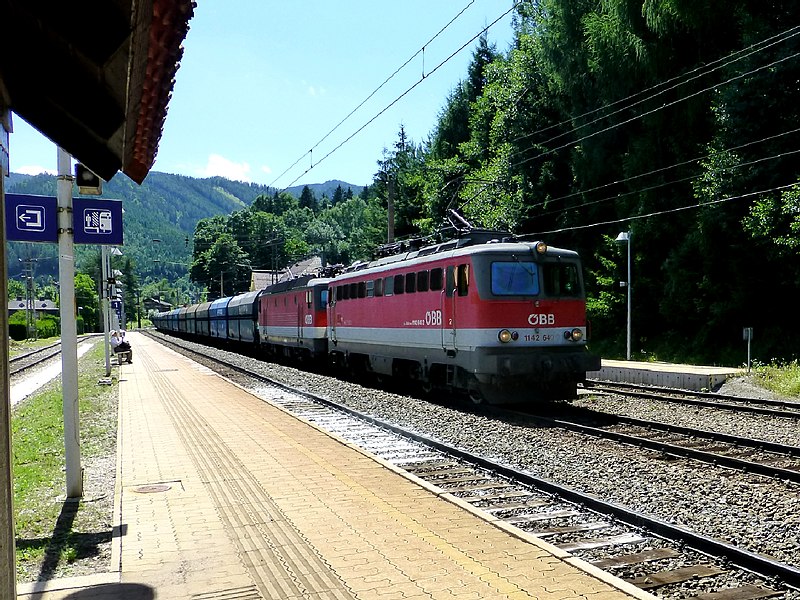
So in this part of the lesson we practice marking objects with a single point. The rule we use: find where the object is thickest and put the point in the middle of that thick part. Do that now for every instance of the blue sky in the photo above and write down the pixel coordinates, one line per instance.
(262, 81)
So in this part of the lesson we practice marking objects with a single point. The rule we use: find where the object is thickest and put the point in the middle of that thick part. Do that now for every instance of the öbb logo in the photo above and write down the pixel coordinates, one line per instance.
(541, 319)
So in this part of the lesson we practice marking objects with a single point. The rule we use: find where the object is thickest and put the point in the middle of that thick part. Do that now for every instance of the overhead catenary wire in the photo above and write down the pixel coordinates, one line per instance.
(678, 81)
(661, 170)
(376, 90)
(661, 212)
(401, 96)
(637, 117)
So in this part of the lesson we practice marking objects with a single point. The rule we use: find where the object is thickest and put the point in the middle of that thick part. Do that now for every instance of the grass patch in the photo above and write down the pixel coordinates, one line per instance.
(56, 538)
(781, 378)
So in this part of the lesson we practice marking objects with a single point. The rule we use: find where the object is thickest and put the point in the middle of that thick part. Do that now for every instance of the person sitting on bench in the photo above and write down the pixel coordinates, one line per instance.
(120, 346)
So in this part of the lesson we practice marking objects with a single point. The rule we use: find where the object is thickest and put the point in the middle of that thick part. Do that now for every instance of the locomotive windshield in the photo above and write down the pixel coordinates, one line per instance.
(515, 279)
(531, 279)
(561, 279)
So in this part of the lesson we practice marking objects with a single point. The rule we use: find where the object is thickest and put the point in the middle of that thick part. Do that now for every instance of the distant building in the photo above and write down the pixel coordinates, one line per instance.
(261, 279)
(155, 305)
(40, 306)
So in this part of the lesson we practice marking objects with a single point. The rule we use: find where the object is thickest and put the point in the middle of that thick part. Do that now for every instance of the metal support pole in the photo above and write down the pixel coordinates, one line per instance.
(69, 326)
(630, 286)
(8, 564)
(104, 305)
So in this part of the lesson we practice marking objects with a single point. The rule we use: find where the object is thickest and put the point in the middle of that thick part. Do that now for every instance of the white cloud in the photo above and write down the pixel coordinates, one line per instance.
(221, 166)
(34, 170)
(266, 169)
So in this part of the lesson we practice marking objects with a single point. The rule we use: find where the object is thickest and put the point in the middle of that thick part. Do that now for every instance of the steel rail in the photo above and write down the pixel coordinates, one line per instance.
(683, 451)
(732, 403)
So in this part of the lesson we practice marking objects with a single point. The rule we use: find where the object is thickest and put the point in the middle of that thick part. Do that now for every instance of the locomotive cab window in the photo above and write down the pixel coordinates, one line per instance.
(561, 279)
(462, 280)
(515, 278)
(457, 280)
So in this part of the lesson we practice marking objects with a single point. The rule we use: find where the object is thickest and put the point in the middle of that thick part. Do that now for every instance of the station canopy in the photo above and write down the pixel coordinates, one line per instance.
(94, 76)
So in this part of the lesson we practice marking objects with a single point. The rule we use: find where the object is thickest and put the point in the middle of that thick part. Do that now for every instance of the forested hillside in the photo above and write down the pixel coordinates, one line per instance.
(677, 121)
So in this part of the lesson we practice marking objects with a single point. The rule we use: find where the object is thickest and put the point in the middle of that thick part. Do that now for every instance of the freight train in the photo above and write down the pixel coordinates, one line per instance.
(485, 315)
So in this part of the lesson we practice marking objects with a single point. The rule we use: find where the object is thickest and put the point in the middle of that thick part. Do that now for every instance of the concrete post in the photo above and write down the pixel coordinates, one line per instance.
(69, 328)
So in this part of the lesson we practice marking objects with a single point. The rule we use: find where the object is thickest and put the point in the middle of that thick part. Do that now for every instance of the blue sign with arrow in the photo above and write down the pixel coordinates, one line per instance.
(31, 218)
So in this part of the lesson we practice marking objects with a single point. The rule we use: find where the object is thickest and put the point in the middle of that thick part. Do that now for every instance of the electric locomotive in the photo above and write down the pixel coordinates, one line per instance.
(500, 320)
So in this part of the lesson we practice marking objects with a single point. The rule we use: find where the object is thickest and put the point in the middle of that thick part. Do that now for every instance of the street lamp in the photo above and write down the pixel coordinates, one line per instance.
(625, 237)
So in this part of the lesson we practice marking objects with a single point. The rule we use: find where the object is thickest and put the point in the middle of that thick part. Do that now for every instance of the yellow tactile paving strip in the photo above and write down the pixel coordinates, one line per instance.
(263, 505)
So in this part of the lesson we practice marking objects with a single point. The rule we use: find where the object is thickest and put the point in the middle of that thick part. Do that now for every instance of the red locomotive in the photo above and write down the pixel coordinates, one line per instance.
(501, 320)
(497, 319)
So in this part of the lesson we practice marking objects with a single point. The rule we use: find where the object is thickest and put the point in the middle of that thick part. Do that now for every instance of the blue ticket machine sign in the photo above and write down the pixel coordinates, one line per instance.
(31, 218)
(97, 221)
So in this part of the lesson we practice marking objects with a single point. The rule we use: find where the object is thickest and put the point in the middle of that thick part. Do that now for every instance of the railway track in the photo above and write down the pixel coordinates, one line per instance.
(762, 406)
(22, 362)
(780, 461)
(658, 556)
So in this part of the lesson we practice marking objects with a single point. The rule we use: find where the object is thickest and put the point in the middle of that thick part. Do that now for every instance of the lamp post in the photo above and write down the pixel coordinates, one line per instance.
(625, 236)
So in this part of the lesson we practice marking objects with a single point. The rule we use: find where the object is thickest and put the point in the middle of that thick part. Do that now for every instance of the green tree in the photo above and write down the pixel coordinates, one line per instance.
(87, 301)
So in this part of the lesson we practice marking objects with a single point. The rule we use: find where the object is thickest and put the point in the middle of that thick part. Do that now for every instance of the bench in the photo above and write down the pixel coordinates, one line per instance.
(123, 356)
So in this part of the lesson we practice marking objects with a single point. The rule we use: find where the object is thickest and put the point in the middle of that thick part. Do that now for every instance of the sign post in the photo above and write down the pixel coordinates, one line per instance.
(747, 334)
(67, 222)
(69, 333)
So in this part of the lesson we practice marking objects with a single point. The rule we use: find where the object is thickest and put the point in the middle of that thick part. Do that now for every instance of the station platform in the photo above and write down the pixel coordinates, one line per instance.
(683, 377)
(221, 495)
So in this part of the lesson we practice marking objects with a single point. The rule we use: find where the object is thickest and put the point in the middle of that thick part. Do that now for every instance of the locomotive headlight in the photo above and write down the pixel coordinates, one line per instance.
(505, 336)
(576, 335)
(541, 247)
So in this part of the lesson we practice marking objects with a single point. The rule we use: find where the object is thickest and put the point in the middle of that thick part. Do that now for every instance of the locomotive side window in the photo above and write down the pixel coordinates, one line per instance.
(388, 286)
(354, 290)
(422, 281)
(450, 282)
(345, 292)
(436, 279)
(339, 293)
(411, 283)
(399, 284)
(379, 287)
(370, 289)
(463, 280)
(362, 289)
(561, 280)
(515, 278)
